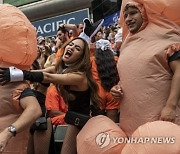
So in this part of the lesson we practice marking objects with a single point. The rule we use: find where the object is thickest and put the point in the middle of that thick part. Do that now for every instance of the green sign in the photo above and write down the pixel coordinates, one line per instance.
(19, 2)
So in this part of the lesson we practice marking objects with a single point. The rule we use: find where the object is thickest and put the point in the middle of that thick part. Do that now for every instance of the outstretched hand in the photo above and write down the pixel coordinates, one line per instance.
(4, 76)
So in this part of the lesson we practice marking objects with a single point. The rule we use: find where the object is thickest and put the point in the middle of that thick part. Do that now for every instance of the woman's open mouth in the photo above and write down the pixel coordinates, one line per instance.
(68, 54)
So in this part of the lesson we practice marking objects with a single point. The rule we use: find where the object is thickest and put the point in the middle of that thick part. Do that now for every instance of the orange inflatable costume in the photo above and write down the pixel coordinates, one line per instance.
(145, 78)
(145, 75)
(18, 48)
(160, 137)
(96, 137)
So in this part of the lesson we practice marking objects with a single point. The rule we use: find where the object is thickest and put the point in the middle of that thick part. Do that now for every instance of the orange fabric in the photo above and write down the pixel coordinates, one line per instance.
(10, 111)
(110, 102)
(92, 50)
(96, 137)
(58, 54)
(157, 137)
(157, 11)
(18, 38)
(18, 48)
(55, 102)
(144, 72)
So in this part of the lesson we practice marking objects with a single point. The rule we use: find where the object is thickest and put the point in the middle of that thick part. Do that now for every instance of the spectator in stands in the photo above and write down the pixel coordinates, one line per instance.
(49, 56)
(73, 78)
(41, 41)
(61, 38)
(53, 44)
(41, 58)
(75, 29)
(149, 64)
(71, 34)
(17, 101)
(105, 73)
(98, 35)
(118, 39)
(80, 27)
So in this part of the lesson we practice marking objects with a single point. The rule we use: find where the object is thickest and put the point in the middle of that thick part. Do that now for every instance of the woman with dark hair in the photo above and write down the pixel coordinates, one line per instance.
(105, 73)
(106, 66)
(76, 85)
(74, 81)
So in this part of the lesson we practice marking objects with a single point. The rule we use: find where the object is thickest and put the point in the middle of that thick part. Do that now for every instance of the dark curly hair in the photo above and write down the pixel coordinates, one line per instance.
(106, 67)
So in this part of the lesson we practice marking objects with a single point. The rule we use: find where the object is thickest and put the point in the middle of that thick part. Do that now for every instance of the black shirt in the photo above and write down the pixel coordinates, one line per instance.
(81, 104)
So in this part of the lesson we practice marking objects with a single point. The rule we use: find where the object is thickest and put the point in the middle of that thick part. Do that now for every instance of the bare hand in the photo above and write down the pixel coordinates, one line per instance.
(168, 114)
(116, 92)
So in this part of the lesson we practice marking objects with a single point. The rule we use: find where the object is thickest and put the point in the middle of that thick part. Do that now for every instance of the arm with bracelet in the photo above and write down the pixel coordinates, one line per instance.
(29, 104)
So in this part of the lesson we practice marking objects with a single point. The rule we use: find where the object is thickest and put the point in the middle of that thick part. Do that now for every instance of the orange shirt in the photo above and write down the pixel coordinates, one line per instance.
(58, 54)
(110, 102)
(55, 102)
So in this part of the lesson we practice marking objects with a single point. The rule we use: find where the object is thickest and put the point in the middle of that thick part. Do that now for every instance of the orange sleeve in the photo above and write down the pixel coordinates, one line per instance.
(94, 69)
(53, 100)
(58, 54)
(111, 103)
(92, 51)
(108, 100)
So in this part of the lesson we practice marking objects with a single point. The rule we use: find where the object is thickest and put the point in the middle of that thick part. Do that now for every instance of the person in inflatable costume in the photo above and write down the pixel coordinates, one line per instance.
(149, 87)
(151, 53)
(18, 106)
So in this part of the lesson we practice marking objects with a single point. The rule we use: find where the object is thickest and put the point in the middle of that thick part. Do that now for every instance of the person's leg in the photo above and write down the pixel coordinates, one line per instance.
(69, 144)
(42, 139)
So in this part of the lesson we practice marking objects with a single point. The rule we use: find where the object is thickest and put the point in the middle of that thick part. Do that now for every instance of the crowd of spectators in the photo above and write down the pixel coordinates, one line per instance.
(50, 50)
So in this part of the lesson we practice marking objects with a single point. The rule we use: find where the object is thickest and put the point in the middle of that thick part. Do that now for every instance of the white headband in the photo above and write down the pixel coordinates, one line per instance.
(103, 44)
